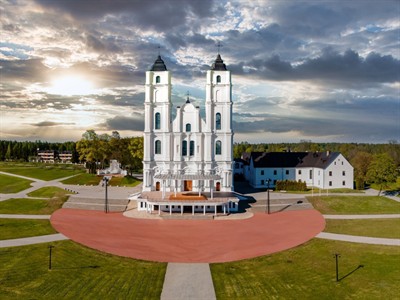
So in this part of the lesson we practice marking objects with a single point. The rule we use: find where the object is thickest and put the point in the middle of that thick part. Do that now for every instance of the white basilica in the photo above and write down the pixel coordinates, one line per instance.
(188, 153)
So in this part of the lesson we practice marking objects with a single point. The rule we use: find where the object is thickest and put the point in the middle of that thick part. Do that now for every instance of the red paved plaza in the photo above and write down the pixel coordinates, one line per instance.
(188, 241)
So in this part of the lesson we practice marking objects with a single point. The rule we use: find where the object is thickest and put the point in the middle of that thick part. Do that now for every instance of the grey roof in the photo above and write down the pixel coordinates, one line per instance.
(187, 177)
(218, 65)
(158, 65)
(293, 159)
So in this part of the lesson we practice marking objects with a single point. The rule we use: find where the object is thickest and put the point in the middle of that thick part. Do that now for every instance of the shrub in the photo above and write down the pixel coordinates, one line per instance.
(291, 185)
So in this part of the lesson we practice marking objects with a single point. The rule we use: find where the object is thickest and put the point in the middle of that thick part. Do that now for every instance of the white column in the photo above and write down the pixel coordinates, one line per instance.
(215, 210)
(181, 209)
(224, 206)
(193, 209)
(204, 210)
(159, 209)
(170, 209)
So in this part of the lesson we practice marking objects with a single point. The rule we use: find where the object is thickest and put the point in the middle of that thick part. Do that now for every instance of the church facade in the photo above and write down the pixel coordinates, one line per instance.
(188, 153)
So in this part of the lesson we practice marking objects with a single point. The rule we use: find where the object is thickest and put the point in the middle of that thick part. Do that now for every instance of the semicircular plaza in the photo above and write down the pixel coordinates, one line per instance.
(188, 241)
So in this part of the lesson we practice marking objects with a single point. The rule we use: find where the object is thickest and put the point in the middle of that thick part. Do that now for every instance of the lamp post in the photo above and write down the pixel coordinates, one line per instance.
(268, 203)
(105, 183)
(337, 255)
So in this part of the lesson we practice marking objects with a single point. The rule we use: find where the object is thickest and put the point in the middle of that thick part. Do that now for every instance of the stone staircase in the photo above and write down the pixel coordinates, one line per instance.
(178, 216)
(114, 205)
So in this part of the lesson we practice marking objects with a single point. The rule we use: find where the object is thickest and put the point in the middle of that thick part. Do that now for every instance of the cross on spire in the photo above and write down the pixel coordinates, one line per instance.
(158, 47)
(187, 97)
(219, 46)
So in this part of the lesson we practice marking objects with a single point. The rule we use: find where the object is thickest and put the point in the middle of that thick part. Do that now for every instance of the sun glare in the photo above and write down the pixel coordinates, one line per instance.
(71, 86)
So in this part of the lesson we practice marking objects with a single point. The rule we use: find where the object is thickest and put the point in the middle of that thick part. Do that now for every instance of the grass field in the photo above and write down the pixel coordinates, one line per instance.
(31, 206)
(48, 192)
(20, 228)
(11, 184)
(49, 172)
(308, 272)
(382, 228)
(124, 181)
(83, 179)
(354, 205)
(77, 273)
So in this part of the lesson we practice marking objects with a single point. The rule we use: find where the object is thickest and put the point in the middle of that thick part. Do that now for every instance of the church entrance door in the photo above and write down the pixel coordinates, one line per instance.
(187, 185)
(218, 186)
(157, 186)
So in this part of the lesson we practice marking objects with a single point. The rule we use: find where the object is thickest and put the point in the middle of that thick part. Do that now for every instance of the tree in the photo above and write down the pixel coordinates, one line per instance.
(382, 170)
(8, 153)
(136, 149)
(361, 162)
(88, 149)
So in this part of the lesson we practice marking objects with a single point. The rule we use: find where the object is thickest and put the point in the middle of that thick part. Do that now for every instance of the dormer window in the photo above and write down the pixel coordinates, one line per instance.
(218, 79)
(158, 79)
(188, 127)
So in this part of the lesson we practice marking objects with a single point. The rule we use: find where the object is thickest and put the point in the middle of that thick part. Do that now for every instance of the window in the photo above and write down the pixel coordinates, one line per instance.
(157, 121)
(188, 127)
(330, 173)
(218, 79)
(191, 148)
(158, 147)
(218, 121)
(330, 183)
(262, 182)
(287, 172)
(310, 174)
(299, 172)
(184, 148)
(275, 172)
(158, 79)
(262, 172)
(343, 183)
(344, 173)
(275, 181)
(218, 149)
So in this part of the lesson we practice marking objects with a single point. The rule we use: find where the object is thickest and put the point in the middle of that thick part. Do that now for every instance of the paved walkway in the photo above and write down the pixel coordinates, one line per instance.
(33, 240)
(36, 217)
(188, 281)
(358, 239)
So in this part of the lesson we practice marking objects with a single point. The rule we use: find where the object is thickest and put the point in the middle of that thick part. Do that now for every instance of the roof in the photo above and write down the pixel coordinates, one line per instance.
(218, 65)
(158, 65)
(293, 159)
(187, 177)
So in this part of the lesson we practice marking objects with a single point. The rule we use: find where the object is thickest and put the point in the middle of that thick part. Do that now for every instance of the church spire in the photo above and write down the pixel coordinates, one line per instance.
(158, 65)
(218, 65)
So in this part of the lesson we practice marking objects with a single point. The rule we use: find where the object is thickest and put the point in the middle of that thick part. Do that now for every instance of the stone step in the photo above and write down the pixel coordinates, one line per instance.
(177, 216)
(94, 206)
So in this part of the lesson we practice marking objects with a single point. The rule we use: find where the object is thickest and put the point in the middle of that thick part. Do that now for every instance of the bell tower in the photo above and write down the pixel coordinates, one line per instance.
(157, 127)
(219, 133)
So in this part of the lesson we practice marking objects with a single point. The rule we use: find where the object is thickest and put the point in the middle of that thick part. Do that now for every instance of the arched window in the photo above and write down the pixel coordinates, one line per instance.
(158, 147)
(218, 79)
(158, 79)
(218, 148)
(218, 121)
(188, 127)
(157, 122)
(191, 150)
(184, 148)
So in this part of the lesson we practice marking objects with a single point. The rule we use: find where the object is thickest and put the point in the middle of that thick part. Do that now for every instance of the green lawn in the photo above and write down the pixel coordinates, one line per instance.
(43, 172)
(20, 228)
(124, 181)
(49, 192)
(12, 184)
(354, 205)
(31, 206)
(83, 179)
(308, 272)
(77, 273)
(382, 228)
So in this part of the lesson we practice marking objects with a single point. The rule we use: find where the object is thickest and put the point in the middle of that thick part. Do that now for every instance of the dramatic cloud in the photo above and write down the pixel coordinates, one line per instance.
(320, 70)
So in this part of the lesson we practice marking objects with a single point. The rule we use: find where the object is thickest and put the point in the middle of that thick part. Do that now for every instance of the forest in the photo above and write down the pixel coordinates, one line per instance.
(96, 150)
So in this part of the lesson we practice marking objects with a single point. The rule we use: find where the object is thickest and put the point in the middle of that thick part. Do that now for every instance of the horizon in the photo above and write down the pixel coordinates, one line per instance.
(326, 71)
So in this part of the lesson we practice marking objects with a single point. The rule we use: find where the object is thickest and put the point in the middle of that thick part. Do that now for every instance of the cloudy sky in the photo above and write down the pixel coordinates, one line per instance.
(315, 70)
